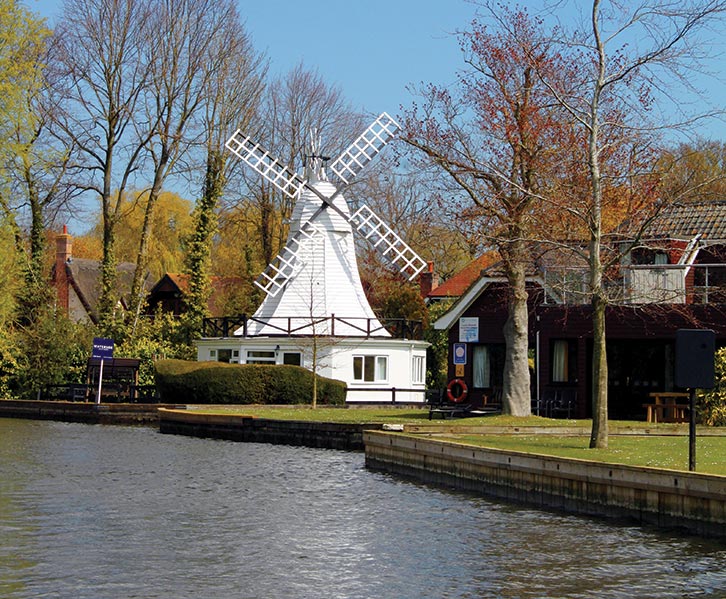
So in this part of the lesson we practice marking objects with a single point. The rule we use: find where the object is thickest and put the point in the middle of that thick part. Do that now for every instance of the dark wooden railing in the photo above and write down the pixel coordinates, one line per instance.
(110, 393)
(398, 328)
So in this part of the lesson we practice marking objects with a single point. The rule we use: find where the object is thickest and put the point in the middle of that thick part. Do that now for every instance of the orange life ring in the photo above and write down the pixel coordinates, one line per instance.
(461, 396)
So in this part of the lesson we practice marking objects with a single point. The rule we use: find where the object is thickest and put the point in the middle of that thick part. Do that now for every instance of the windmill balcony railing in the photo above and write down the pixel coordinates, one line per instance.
(329, 326)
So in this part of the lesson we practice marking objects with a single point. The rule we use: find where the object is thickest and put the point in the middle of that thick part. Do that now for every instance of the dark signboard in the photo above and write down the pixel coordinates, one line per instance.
(102, 348)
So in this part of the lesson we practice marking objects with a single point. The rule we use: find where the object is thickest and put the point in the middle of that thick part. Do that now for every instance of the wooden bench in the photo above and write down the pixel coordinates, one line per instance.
(670, 412)
(439, 405)
(450, 410)
(664, 407)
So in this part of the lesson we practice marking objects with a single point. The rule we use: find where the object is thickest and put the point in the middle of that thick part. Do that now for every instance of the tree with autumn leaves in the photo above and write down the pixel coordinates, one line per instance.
(493, 137)
(548, 138)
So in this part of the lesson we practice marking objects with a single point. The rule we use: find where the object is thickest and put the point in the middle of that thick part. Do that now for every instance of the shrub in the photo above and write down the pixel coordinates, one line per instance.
(180, 381)
(154, 339)
(712, 403)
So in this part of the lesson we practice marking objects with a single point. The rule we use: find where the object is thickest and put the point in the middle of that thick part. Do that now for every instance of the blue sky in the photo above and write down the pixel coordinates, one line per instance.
(372, 49)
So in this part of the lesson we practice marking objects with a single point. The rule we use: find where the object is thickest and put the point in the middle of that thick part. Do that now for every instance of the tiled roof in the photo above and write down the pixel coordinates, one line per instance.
(220, 287)
(456, 285)
(86, 278)
(685, 221)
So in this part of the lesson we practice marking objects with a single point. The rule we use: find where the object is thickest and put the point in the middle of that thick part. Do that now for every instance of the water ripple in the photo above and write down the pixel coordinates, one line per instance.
(92, 512)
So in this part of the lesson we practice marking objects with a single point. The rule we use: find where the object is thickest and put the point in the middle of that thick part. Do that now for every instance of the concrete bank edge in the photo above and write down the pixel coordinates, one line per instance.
(673, 499)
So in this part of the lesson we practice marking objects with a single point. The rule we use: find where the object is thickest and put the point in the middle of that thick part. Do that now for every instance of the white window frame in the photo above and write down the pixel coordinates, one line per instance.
(418, 369)
(260, 356)
(379, 365)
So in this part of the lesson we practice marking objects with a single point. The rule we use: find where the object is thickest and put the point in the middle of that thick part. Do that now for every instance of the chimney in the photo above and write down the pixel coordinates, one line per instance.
(63, 255)
(428, 281)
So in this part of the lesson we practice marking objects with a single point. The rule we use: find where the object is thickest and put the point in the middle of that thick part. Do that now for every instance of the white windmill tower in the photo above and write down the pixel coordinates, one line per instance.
(313, 287)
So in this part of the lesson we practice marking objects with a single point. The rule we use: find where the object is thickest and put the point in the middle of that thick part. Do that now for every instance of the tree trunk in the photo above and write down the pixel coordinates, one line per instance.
(142, 258)
(108, 298)
(516, 398)
(599, 434)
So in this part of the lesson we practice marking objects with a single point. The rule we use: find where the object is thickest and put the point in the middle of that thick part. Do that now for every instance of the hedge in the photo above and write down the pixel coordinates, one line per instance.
(180, 381)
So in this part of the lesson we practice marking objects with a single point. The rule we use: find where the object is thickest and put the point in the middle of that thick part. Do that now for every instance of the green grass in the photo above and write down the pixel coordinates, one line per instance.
(378, 415)
(654, 451)
(667, 451)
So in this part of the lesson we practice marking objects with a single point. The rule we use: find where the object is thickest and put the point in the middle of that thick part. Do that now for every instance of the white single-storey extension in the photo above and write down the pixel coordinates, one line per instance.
(376, 370)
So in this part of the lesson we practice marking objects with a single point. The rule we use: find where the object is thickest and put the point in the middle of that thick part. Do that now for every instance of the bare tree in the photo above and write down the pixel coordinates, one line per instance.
(235, 83)
(101, 75)
(198, 40)
(633, 56)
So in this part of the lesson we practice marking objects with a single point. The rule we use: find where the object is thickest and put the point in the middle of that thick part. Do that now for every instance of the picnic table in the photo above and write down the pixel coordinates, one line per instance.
(666, 408)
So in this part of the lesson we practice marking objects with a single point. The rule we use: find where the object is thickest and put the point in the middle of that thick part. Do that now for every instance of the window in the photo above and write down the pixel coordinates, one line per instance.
(559, 361)
(370, 368)
(481, 367)
(212, 353)
(224, 355)
(564, 361)
(257, 356)
(418, 369)
(292, 358)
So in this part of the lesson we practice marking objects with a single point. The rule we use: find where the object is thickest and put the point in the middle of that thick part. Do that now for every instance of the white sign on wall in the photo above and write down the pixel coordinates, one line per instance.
(469, 329)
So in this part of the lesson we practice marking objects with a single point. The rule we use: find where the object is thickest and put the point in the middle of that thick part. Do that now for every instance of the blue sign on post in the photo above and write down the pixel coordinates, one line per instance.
(102, 348)
(459, 353)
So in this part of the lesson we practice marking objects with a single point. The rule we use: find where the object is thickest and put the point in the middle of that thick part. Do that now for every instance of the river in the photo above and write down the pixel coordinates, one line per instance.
(108, 512)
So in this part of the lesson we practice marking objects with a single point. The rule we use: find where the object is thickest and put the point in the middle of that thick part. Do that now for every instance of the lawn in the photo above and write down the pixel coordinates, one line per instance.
(658, 451)
(403, 415)
(669, 452)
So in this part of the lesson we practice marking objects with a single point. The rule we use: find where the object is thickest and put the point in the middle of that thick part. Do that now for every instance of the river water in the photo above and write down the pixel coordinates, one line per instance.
(113, 512)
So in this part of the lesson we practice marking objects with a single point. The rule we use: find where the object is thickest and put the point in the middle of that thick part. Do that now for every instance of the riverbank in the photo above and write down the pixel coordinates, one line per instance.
(88, 413)
(688, 501)
(247, 428)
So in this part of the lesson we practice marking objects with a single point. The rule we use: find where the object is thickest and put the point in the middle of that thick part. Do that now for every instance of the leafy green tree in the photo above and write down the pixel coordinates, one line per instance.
(10, 282)
(711, 404)
(172, 223)
(438, 353)
(50, 350)
(158, 338)
(199, 247)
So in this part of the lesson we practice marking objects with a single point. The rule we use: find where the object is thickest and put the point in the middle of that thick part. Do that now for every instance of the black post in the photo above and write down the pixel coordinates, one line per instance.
(692, 432)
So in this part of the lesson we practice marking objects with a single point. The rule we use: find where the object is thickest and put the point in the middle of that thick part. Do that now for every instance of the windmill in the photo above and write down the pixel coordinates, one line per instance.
(317, 265)
(313, 290)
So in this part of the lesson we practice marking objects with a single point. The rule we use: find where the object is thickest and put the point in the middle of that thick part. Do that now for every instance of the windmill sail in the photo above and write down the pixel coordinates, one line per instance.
(365, 148)
(321, 199)
(275, 172)
(387, 242)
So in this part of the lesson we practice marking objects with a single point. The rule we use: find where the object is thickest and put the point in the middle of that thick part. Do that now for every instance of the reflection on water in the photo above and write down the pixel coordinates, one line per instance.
(112, 512)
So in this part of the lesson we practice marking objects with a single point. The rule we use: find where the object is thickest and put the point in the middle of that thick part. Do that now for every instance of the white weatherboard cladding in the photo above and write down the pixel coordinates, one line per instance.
(335, 360)
(325, 282)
